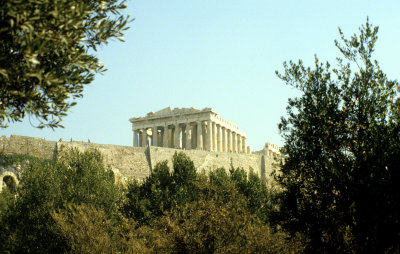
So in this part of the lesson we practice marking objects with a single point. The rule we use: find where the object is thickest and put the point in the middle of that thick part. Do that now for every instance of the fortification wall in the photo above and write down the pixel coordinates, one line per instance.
(8, 171)
(205, 160)
(129, 162)
(27, 145)
(137, 162)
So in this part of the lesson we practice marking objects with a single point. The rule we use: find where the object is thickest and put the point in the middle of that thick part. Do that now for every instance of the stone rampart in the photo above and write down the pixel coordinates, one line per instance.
(126, 161)
(205, 160)
(8, 171)
(38, 147)
(137, 162)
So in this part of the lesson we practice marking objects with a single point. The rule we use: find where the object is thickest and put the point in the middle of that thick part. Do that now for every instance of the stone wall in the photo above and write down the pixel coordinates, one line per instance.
(205, 160)
(27, 145)
(126, 161)
(137, 162)
(8, 171)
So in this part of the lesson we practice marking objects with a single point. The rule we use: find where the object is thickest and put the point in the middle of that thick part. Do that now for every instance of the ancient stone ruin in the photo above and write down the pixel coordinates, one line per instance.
(188, 128)
(210, 141)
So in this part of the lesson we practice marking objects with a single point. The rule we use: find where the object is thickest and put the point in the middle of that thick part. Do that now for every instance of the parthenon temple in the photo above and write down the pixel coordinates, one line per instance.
(188, 128)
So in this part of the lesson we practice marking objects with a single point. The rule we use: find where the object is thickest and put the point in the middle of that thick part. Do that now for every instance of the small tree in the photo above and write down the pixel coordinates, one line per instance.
(46, 54)
(45, 186)
(209, 226)
(341, 175)
(89, 230)
(162, 190)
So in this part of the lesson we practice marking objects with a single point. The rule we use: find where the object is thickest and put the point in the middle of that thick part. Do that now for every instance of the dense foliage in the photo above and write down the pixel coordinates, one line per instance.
(73, 205)
(341, 176)
(339, 186)
(166, 189)
(45, 186)
(47, 54)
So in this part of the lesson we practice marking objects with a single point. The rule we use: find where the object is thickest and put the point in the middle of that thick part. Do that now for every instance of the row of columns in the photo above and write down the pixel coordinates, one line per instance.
(203, 135)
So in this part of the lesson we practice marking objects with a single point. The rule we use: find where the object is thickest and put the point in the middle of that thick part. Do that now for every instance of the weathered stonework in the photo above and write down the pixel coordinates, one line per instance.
(129, 162)
(188, 128)
(210, 141)
(11, 171)
(27, 145)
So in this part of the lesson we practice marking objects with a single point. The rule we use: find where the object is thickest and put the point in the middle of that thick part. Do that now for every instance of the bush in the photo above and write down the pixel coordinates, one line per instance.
(212, 225)
(162, 190)
(45, 186)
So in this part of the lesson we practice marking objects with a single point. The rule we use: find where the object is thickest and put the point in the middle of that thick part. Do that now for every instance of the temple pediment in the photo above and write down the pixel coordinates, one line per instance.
(163, 112)
(168, 112)
(188, 128)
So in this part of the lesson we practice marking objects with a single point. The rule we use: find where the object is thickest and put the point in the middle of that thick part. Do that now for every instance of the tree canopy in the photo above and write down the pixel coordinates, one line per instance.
(47, 186)
(47, 54)
(341, 177)
(73, 205)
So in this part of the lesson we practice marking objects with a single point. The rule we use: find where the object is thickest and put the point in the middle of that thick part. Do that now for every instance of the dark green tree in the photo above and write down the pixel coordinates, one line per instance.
(255, 191)
(341, 176)
(148, 200)
(47, 186)
(47, 54)
(162, 190)
(212, 226)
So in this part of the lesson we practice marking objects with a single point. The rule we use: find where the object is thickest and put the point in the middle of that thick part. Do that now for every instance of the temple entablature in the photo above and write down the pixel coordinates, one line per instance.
(188, 128)
(274, 148)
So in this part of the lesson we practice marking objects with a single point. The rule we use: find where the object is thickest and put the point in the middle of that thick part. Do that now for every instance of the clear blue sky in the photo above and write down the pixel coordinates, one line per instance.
(220, 54)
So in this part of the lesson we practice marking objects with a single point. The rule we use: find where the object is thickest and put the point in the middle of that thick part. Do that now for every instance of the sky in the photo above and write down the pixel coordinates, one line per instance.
(216, 53)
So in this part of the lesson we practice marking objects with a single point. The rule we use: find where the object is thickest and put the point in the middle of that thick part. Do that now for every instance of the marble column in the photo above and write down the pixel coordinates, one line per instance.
(209, 136)
(183, 137)
(239, 138)
(159, 138)
(144, 137)
(165, 137)
(188, 133)
(204, 136)
(244, 145)
(154, 139)
(229, 141)
(214, 136)
(224, 139)
(199, 133)
(140, 138)
(177, 143)
(219, 138)
(136, 138)
(171, 136)
(234, 142)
